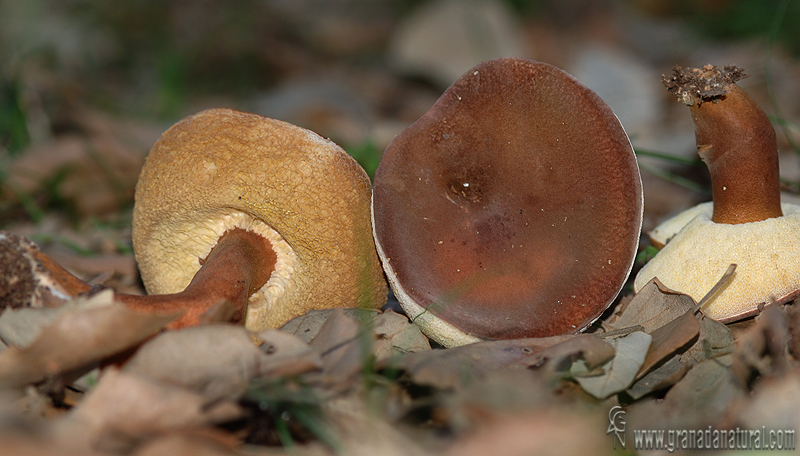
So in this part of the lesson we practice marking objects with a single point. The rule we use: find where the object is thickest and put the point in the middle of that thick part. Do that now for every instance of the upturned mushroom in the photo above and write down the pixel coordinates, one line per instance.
(746, 224)
(261, 213)
(257, 217)
(511, 209)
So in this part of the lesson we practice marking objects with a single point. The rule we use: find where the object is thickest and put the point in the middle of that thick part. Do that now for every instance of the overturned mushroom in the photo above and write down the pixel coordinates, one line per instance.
(746, 224)
(251, 215)
(285, 212)
(511, 209)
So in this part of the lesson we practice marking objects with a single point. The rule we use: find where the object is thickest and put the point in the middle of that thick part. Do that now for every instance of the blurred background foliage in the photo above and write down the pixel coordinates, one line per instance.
(152, 62)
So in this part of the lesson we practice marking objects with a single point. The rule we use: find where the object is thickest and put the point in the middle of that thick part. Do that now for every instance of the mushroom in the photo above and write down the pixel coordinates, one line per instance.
(511, 209)
(269, 216)
(239, 209)
(746, 224)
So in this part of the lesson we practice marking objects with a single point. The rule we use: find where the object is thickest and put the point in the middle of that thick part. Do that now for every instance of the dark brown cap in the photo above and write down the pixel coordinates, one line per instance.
(511, 209)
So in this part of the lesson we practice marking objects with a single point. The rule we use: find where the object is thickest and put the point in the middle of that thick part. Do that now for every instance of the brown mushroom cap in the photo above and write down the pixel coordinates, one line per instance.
(222, 169)
(512, 208)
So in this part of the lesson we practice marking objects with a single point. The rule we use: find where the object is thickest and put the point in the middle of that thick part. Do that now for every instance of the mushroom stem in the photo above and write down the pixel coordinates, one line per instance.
(736, 141)
(239, 265)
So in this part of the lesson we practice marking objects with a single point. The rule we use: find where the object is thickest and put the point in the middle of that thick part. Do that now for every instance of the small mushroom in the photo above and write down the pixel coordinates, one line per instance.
(511, 209)
(266, 215)
(746, 224)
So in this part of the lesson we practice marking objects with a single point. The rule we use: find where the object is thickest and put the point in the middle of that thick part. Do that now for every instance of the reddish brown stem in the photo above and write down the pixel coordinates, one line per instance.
(238, 266)
(737, 142)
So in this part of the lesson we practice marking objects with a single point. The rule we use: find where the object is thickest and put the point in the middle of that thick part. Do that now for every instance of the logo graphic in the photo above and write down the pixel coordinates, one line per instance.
(616, 424)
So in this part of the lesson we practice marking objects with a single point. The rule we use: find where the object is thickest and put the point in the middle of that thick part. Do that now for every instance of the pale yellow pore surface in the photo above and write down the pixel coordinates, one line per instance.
(222, 169)
(767, 254)
(670, 227)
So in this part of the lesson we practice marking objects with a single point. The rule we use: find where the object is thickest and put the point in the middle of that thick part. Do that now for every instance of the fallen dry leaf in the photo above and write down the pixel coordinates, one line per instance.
(307, 326)
(711, 339)
(705, 396)
(653, 306)
(25, 438)
(20, 327)
(219, 360)
(78, 338)
(670, 338)
(763, 346)
(287, 354)
(397, 335)
(360, 434)
(394, 333)
(714, 339)
(125, 407)
(664, 376)
(343, 346)
(450, 368)
(793, 326)
(618, 374)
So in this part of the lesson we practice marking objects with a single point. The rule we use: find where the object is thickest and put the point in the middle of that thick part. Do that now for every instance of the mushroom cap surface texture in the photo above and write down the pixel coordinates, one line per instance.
(222, 169)
(695, 258)
(511, 209)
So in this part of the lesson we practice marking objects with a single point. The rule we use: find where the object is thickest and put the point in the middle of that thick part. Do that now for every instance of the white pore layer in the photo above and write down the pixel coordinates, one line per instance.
(284, 265)
(433, 326)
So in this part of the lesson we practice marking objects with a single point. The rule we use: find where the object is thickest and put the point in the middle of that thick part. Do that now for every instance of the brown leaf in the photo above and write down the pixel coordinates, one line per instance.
(670, 338)
(219, 360)
(711, 339)
(763, 346)
(26, 439)
(451, 367)
(20, 327)
(363, 434)
(618, 374)
(307, 326)
(663, 376)
(127, 406)
(342, 345)
(705, 396)
(394, 333)
(76, 339)
(654, 306)
(793, 325)
(287, 354)
(397, 335)
(715, 339)
(593, 350)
